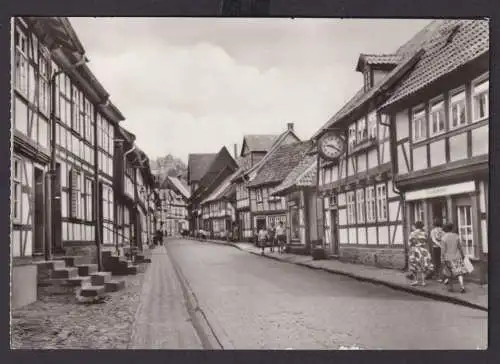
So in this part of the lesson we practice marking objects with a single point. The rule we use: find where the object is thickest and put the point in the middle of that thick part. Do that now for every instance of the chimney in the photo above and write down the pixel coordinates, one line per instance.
(289, 126)
(235, 151)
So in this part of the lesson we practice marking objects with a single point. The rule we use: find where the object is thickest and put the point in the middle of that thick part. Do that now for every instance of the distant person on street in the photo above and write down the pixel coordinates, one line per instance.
(271, 236)
(452, 255)
(419, 257)
(281, 237)
(436, 237)
(262, 239)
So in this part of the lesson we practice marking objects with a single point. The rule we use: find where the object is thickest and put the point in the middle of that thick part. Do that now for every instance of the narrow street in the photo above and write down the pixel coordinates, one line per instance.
(257, 303)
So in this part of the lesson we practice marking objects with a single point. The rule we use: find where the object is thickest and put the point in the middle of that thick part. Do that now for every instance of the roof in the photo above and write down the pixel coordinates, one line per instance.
(221, 191)
(453, 44)
(179, 184)
(377, 59)
(198, 165)
(303, 175)
(277, 142)
(259, 143)
(281, 163)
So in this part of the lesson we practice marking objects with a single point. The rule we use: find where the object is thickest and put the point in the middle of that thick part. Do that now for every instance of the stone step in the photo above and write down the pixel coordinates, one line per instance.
(132, 269)
(93, 291)
(50, 264)
(100, 278)
(86, 269)
(114, 285)
(79, 281)
(68, 272)
(73, 261)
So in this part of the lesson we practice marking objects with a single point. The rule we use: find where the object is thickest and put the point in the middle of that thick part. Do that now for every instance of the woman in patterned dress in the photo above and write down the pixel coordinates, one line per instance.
(452, 255)
(419, 258)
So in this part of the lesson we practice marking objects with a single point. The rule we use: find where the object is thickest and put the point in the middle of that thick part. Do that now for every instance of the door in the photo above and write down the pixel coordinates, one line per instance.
(438, 211)
(465, 228)
(39, 216)
(334, 232)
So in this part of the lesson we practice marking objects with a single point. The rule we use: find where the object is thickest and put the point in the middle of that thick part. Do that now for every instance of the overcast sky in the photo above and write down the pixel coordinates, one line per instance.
(192, 85)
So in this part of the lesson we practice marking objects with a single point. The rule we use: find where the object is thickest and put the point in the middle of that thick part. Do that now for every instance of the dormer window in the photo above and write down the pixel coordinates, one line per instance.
(367, 78)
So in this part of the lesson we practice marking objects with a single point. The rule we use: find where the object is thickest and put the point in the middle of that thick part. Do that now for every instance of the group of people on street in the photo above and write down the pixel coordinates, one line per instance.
(272, 237)
(446, 260)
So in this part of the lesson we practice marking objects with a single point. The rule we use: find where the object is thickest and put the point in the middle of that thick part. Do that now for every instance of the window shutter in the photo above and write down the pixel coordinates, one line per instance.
(73, 182)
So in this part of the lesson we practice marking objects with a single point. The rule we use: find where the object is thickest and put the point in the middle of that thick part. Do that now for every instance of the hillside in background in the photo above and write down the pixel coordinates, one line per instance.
(169, 166)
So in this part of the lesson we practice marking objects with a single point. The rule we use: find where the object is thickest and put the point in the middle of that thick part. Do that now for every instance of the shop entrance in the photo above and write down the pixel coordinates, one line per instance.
(438, 210)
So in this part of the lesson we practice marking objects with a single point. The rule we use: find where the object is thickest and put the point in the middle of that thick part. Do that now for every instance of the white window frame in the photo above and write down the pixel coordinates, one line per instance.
(436, 108)
(16, 189)
(418, 211)
(457, 97)
(479, 81)
(360, 206)
(352, 135)
(351, 211)
(371, 204)
(464, 235)
(418, 115)
(382, 202)
(21, 62)
(372, 125)
(361, 130)
(258, 195)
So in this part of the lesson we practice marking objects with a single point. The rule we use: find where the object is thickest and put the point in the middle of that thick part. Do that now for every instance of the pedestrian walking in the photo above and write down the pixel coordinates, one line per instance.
(436, 237)
(271, 234)
(419, 257)
(452, 255)
(262, 239)
(281, 237)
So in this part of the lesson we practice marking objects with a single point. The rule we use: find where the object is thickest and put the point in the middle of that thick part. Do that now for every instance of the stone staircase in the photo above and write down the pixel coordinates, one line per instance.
(73, 274)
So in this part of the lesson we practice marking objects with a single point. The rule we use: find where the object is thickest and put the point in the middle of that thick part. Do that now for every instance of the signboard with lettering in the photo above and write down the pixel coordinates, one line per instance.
(439, 191)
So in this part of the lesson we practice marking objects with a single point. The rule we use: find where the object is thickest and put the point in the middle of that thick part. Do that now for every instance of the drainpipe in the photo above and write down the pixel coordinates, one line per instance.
(124, 178)
(396, 191)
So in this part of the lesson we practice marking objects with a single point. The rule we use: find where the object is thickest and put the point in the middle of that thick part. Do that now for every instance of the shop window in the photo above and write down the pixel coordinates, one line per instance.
(419, 123)
(464, 214)
(457, 109)
(480, 99)
(418, 212)
(437, 117)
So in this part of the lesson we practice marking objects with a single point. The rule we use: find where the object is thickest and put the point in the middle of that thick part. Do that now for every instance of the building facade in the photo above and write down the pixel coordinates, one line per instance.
(173, 214)
(439, 120)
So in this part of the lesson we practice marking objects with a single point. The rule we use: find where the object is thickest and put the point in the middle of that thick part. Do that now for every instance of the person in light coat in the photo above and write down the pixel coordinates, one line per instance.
(452, 255)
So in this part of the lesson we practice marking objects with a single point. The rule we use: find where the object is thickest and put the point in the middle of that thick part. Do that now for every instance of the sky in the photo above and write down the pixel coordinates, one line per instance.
(194, 85)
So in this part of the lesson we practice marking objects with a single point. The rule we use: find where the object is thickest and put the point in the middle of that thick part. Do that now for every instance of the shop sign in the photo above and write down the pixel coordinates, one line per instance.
(447, 190)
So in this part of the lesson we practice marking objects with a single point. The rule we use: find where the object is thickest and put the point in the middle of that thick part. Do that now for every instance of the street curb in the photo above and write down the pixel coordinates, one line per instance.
(398, 287)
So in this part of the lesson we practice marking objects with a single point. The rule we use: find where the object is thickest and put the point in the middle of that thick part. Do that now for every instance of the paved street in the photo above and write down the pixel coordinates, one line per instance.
(256, 303)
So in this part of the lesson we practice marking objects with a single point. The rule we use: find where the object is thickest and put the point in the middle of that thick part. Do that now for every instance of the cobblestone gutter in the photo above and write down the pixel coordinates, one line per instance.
(59, 322)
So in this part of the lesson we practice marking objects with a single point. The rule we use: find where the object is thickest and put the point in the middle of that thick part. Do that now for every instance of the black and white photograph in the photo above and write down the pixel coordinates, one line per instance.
(232, 183)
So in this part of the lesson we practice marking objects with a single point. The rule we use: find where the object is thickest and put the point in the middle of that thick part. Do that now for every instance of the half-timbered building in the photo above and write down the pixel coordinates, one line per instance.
(362, 210)
(255, 150)
(439, 119)
(266, 208)
(173, 212)
(221, 167)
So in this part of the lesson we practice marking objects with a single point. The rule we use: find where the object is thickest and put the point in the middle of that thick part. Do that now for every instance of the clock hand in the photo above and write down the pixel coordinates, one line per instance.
(331, 146)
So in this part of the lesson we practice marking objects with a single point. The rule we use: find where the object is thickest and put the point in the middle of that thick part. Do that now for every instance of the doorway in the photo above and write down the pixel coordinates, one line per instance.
(438, 210)
(334, 232)
(39, 212)
(261, 224)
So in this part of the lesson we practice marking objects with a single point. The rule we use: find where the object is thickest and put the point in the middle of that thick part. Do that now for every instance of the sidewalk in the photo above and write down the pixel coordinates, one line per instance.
(475, 297)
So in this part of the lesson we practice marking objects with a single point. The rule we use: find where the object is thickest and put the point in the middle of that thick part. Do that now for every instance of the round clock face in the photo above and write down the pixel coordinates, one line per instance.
(331, 145)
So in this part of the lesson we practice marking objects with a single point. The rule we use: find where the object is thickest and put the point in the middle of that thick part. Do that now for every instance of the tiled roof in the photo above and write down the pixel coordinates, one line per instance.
(220, 191)
(455, 43)
(259, 143)
(304, 174)
(281, 163)
(183, 189)
(378, 59)
(198, 165)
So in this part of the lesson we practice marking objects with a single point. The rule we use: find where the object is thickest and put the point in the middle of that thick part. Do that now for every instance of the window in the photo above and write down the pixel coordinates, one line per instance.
(88, 199)
(360, 207)
(75, 180)
(16, 189)
(457, 109)
(480, 100)
(370, 204)
(351, 217)
(362, 132)
(418, 211)
(419, 125)
(21, 62)
(352, 136)
(437, 117)
(44, 91)
(465, 230)
(366, 75)
(372, 125)
(381, 203)
(258, 195)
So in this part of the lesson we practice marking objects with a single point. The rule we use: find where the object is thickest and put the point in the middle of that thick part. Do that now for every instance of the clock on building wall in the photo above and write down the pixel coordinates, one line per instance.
(331, 145)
